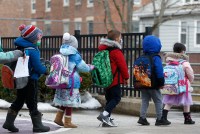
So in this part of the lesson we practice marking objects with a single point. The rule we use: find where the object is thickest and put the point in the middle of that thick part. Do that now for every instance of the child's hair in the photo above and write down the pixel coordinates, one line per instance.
(113, 34)
(179, 47)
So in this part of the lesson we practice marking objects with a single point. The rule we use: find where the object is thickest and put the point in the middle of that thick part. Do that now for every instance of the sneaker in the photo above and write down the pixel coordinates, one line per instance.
(143, 121)
(162, 121)
(104, 119)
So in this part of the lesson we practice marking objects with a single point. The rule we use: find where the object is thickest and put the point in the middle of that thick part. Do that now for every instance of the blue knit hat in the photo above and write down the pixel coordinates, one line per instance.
(30, 32)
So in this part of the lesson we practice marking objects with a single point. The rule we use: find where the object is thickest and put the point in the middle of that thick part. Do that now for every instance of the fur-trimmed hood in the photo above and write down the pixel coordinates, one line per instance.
(110, 43)
(175, 56)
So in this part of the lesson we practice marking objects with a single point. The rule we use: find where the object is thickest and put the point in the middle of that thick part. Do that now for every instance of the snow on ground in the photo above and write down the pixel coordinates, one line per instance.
(88, 102)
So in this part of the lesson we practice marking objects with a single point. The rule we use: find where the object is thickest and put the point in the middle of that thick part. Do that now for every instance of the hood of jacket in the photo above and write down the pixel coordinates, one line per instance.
(175, 56)
(21, 42)
(68, 50)
(105, 43)
(151, 44)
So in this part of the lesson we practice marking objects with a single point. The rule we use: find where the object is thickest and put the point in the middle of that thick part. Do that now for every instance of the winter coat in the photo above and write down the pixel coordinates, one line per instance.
(186, 66)
(34, 65)
(152, 45)
(7, 57)
(75, 61)
(117, 60)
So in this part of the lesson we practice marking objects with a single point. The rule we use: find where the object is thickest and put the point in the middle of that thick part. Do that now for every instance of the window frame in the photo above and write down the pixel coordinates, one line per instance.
(33, 2)
(89, 4)
(65, 3)
(47, 9)
(77, 21)
(196, 32)
(77, 2)
(66, 21)
(182, 32)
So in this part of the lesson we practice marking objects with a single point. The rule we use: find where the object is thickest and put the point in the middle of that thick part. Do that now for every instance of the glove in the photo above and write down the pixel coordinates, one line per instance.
(17, 53)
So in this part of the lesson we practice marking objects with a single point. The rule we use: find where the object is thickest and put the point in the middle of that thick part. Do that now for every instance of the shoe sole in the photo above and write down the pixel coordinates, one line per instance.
(143, 124)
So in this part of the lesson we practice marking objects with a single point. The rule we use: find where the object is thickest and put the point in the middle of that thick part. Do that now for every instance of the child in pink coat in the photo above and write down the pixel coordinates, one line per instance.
(184, 99)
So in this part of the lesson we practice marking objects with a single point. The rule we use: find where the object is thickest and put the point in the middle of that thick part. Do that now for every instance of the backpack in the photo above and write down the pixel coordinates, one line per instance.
(58, 77)
(8, 79)
(102, 74)
(175, 80)
(144, 72)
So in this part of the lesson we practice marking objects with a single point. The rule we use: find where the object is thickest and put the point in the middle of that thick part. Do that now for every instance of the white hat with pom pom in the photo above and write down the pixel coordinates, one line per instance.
(70, 40)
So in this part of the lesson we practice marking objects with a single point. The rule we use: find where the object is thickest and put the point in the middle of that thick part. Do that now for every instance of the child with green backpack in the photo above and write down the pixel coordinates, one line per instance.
(113, 43)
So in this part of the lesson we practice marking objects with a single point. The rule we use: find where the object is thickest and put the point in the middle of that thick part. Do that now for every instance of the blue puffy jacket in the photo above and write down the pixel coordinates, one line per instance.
(34, 65)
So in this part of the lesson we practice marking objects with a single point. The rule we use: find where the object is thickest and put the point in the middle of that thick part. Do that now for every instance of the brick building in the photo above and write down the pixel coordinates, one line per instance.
(55, 17)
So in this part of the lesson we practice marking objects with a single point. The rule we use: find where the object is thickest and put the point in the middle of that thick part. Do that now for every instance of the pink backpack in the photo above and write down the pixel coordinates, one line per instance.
(59, 72)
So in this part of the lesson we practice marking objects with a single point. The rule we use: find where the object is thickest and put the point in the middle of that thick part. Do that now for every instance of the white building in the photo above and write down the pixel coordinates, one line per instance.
(184, 26)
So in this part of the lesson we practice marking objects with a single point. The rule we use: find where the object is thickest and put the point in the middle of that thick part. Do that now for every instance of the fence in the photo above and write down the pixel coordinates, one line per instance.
(88, 47)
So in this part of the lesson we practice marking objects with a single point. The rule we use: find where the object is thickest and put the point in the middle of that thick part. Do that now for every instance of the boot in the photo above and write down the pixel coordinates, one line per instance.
(188, 119)
(37, 123)
(58, 119)
(68, 123)
(9, 123)
(164, 116)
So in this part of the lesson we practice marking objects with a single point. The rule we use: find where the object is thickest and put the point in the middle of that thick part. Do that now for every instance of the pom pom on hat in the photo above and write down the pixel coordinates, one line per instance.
(66, 36)
(70, 40)
(30, 32)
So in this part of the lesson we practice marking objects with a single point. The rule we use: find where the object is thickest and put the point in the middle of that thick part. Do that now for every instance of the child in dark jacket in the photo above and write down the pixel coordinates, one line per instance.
(152, 45)
(30, 38)
(118, 64)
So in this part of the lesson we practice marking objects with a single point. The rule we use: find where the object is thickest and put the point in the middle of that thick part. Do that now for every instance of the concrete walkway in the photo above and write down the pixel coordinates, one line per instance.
(88, 124)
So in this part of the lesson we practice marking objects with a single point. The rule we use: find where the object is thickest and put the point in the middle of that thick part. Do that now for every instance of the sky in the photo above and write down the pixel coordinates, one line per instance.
(88, 102)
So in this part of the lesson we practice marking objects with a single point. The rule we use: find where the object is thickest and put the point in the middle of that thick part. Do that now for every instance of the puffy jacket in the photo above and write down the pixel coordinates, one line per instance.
(34, 65)
(152, 45)
(75, 61)
(117, 61)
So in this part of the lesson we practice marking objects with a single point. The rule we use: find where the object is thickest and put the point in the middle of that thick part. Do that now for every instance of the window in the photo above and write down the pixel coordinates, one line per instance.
(47, 28)
(90, 27)
(198, 33)
(77, 25)
(33, 8)
(135, 26)
(136, 2)
(48, 5)
(183, 32)
(90, 3)
(66, 26)
(65, 2)
(77, 2)
(191, 1)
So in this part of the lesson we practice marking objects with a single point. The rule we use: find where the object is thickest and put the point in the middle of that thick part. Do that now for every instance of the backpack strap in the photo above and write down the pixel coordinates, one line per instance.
(71, 76)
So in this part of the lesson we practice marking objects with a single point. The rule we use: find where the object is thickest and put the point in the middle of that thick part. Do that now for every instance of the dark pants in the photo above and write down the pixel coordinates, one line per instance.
(113, 97)
(27, 95)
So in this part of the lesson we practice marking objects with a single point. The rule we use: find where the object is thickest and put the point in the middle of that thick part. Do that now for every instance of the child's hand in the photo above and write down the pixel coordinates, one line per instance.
(91, 66)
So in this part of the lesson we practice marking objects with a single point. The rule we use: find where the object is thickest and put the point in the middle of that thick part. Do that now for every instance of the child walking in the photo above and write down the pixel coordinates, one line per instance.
(30, 37)
(62, 98)
(184, 99)
(152, 45)
(119, 71)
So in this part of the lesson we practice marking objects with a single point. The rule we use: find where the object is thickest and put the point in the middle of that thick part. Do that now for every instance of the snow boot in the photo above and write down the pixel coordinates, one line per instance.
(59, 117)
(37, 123)
(188, 119)
(68, 123)
(9, 123)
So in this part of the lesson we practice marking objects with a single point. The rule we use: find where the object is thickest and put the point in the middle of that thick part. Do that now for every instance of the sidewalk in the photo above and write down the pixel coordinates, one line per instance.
(88, 124)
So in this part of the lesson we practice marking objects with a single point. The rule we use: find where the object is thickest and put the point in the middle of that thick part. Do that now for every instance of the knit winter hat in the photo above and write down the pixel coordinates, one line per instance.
(70, 40)
(30, 32)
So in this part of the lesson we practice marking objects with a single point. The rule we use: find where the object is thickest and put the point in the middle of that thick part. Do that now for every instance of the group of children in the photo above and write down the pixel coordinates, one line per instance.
(31, 37)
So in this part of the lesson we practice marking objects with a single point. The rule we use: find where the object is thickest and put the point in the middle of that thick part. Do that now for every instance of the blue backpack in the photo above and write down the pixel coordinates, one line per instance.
(144, 72)
(175, 80)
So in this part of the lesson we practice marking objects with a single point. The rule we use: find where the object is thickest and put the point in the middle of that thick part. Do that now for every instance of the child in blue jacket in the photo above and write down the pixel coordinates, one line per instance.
(152, 45)
(31, 38)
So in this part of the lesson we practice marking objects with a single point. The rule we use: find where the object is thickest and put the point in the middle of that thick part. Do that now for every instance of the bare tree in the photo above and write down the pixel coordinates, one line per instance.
(124, 10)
(163, 5)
